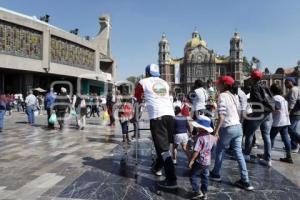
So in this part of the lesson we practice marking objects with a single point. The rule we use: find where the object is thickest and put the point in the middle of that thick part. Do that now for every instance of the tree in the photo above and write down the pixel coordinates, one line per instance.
(255, 63)
(134, 79)
(246, 66)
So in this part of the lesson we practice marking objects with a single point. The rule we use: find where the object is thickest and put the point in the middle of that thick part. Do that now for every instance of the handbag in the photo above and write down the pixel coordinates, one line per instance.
(53, 118)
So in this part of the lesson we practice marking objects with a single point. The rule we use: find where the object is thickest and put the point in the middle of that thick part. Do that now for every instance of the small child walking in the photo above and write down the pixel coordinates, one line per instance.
(181, 137)
(201, 158)
(125, 114)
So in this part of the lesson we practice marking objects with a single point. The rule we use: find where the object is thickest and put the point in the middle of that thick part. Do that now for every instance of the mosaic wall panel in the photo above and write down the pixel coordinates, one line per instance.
(20, 41)
(70, 53)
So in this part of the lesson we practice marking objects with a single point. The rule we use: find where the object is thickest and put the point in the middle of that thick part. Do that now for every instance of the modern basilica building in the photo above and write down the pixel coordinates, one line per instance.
(34, 53)
(199, 62)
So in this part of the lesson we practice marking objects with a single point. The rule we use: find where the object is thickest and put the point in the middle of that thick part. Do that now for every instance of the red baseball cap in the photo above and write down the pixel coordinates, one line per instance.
(228, 80)
(257, 74)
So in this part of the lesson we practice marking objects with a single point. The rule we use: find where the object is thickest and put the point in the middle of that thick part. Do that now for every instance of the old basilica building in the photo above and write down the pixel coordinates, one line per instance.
(199, 62)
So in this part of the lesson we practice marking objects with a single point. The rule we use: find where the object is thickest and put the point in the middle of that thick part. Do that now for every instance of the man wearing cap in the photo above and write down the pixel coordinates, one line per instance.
(261, 117)
(293, 98)
(155, 91)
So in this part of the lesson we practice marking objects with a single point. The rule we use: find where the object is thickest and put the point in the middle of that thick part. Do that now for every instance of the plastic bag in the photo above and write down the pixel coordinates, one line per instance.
(36, 113)
(53, 118)
(105, 118)
(73, 112)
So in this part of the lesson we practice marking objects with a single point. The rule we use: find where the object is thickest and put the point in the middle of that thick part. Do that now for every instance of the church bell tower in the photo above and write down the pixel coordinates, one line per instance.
(236, 57)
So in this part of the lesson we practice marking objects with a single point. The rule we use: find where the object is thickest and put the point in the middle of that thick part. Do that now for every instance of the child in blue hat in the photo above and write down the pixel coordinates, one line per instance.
(201, 158)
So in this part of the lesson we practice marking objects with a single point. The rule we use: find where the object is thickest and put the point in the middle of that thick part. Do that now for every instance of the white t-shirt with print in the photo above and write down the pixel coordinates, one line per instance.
(157, 99)
(281, 113)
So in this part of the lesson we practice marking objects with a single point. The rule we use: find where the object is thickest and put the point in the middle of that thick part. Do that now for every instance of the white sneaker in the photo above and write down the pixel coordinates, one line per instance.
(175, 162)
(266, 163)
(295, 150)
(157, 173)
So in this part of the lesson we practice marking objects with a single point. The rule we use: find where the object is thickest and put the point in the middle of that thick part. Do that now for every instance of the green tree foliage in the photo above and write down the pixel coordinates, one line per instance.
(246, 66)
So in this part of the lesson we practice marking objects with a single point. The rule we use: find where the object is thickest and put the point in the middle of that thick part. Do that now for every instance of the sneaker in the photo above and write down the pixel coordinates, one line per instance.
(260, 156)
(295, 150)
(168, 184)
(197, 195)
(254, 146)
(287, 160)
(204, 196)
(250, 159)
(265, 162)
(214, 177)
(244, 185)
(157, 173)
(175, 162)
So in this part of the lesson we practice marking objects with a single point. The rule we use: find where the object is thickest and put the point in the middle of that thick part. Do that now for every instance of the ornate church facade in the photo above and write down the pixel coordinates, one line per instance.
(199, 62)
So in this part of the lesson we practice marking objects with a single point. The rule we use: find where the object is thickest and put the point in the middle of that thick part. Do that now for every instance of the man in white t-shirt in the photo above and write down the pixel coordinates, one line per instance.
(281, 121)
(155, 92)
(199, 97)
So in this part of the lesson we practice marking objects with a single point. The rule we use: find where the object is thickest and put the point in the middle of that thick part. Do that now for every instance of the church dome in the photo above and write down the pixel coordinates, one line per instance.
(195, 41)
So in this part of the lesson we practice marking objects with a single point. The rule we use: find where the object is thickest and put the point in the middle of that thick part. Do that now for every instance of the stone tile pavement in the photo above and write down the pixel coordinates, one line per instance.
(36, 163)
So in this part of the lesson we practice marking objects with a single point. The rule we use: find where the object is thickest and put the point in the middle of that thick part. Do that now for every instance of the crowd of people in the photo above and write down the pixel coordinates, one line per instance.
(216, 115)
(225, 116)
(81, 106)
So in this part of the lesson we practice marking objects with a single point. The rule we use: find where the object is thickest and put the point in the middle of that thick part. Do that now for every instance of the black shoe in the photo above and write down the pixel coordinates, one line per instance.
(244, 185)
(287, 160)
(167, 184)
(260, 156)
(0, 129)
(82, 128)
(214, 177)
(197, 195)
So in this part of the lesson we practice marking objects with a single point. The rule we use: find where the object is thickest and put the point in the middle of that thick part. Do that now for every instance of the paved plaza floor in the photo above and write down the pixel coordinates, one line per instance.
(37, 163)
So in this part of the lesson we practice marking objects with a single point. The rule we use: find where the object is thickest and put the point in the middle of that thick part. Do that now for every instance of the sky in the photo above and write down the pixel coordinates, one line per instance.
(270, 29)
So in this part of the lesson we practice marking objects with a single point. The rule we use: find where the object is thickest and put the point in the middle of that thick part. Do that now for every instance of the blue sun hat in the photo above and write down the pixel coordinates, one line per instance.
(204, 123)
(153, 70)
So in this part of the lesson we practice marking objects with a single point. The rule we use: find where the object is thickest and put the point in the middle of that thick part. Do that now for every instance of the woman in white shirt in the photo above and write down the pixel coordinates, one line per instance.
(229, 129)
(281, 122)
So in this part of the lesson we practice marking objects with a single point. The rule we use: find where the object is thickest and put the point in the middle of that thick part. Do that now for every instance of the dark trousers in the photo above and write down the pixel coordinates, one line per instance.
(284, 133)
(50, 125)
(94, 110)
(60, 114)
(124, 126)
(203, 171)
(162, 135)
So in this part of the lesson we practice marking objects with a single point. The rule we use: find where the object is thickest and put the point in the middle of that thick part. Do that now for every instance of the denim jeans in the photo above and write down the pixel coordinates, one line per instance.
(283, 130)
(30, 114)
(264, 122)
(2, 113)
(294, 131)
(124, 126)
(203, 171)
(231, 136)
